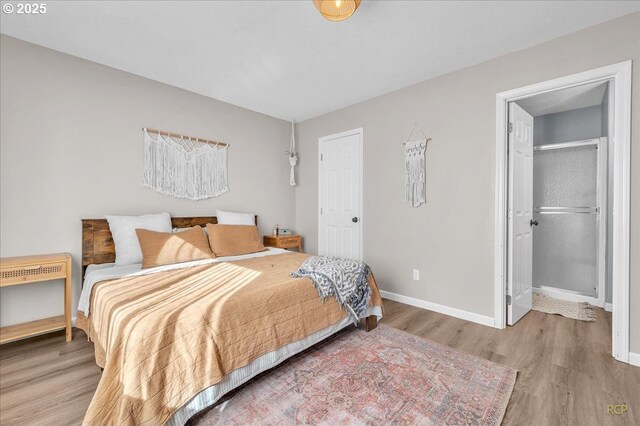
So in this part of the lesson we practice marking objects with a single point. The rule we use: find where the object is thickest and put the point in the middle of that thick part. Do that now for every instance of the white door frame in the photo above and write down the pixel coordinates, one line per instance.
(360, 132)
(620, 138)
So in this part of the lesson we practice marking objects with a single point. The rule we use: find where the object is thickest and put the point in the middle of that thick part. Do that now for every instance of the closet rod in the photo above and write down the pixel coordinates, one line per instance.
(191, 138)
(566, 210)
(548, 212)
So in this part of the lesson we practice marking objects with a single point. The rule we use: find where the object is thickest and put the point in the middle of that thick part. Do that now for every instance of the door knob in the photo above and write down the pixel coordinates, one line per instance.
(354, 219)
(533, 223)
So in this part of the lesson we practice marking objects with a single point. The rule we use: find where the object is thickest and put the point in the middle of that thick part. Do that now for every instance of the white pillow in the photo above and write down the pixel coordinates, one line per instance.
(232, 218)
(123, 230)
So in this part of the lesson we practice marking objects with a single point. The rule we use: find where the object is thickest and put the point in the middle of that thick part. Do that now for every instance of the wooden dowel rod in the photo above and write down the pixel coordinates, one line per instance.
(175, 135)
(428, 139)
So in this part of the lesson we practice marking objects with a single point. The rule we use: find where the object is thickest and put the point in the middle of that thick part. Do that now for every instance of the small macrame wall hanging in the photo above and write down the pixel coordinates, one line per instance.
(183, 166)
(415, 169)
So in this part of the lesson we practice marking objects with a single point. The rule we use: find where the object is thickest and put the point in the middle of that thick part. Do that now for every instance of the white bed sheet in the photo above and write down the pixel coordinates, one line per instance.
(108, 271)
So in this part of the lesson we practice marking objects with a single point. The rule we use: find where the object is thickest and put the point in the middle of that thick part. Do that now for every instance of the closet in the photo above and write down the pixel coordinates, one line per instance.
(570, 197)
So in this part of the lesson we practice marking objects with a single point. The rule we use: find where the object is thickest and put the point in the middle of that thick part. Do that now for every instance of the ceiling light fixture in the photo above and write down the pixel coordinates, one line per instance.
(336, 10)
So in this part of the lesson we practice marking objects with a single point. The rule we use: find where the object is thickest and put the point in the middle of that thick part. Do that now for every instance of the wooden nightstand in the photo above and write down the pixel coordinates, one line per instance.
(30, 269)
(283, 241)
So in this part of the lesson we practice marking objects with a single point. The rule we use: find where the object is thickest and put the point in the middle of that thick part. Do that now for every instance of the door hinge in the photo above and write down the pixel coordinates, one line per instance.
(510, 127)
(508, 299)
(321, 157)
(320, 210)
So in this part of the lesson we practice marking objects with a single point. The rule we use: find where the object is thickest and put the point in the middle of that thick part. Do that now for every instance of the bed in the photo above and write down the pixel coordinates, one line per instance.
(174, 339)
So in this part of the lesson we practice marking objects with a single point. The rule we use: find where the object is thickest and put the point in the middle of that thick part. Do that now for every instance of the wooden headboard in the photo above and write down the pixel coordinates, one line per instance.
(97, 242)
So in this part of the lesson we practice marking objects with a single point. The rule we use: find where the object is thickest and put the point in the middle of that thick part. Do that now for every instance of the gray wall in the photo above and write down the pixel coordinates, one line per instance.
(451, 238)
(71, 148)
(574, 125)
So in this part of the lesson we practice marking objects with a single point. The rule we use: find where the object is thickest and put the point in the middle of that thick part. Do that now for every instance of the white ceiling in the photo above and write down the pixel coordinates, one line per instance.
(583, 96)
(283, 59)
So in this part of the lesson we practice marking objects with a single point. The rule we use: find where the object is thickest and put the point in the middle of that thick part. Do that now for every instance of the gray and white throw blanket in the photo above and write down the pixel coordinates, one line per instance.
(345, 279)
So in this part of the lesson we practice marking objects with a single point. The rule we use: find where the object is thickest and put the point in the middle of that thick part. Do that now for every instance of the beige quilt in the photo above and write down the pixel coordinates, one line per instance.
(164, 337)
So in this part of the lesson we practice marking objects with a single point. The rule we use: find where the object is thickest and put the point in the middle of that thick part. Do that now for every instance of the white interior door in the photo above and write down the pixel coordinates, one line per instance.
(520, 217)
(340, 195)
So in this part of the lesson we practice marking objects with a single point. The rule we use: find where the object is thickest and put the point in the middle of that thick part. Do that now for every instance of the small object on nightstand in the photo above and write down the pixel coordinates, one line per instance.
(30, 269)
(283, 241)
(275, 230)
(285, 231)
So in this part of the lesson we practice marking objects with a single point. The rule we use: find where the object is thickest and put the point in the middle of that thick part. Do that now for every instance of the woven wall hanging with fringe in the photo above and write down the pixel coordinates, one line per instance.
(415, 173)
(184, 167)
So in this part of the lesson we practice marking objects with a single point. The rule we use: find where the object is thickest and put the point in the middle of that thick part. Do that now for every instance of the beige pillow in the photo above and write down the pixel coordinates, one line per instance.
(233, 240)
(165, 248)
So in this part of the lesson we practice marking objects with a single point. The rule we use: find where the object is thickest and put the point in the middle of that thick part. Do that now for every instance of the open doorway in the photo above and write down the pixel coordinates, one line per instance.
(562, 196)
(558, 215)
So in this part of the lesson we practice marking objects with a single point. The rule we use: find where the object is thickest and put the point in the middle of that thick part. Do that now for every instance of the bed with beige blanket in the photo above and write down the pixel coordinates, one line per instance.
(167, 337)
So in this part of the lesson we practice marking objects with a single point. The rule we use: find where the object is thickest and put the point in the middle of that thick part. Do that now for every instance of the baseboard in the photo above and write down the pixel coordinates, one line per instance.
(634, 359)
(608, 307)
(567, 295)
(441, 309)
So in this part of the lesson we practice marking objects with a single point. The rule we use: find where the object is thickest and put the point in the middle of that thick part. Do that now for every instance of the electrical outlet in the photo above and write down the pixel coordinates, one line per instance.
(416, 274)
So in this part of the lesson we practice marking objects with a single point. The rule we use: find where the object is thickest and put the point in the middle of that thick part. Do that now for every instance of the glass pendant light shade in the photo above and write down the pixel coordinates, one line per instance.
(336, 10)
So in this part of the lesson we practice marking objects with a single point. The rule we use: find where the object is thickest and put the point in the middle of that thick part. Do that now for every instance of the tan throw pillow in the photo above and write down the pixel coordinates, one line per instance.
(165, 248)
(233, 240)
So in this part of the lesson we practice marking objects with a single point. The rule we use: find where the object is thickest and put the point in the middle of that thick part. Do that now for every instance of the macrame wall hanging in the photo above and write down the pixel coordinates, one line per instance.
(293, 156)
(415, 169)
(183, 166)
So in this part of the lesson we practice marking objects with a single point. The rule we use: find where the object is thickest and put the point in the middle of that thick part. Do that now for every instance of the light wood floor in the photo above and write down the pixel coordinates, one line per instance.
(566, 373)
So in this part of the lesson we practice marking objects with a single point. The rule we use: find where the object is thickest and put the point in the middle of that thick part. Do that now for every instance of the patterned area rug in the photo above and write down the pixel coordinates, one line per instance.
(574, 310)
(382, 377)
